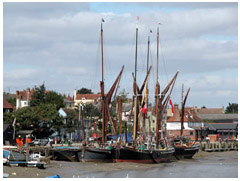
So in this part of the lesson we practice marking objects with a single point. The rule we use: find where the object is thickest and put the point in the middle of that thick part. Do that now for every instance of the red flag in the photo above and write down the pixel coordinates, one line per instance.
(144, 109)
(170, 102)
(137, 17)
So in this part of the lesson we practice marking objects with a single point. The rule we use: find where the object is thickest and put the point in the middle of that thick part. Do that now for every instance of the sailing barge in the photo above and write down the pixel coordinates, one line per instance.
(102, 153)
(139, 152)
(184, 149)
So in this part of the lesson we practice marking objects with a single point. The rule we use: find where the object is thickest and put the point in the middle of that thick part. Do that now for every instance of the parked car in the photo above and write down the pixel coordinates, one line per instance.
(40, 142)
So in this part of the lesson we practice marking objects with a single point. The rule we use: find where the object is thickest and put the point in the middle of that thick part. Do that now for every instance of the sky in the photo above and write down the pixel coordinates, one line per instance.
(58, 44)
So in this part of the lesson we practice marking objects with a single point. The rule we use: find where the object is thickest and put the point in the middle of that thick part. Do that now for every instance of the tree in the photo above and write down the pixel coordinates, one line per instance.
(232, 108)
(84, 91)
(54, 98)
(203, 107)
(39, 96)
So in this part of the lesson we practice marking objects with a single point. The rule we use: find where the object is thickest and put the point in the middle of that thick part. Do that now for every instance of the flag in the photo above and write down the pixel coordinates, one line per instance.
(144, 109)
(138, 18)
(170, 102)
(103, 20)
(150, 31)
(14, 122)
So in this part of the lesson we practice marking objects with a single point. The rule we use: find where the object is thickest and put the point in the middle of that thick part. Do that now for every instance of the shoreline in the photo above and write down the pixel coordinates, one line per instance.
(80, 169)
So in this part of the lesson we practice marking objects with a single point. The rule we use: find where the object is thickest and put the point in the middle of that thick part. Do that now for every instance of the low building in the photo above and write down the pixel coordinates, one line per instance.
(7, 107)
(226, 130)
(23, 98)
(86, 98)
(193, 126)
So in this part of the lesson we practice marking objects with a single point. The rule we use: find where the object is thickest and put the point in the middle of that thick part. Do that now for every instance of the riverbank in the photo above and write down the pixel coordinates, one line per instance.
(203, 165)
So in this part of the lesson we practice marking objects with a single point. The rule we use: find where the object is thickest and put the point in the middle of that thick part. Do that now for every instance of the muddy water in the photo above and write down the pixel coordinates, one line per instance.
(203, 165)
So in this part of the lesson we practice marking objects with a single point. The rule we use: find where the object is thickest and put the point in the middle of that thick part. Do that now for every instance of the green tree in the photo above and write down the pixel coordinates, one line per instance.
(39, 96)
(54, 98)
(232, 108)
(71, 121)
(84, 91)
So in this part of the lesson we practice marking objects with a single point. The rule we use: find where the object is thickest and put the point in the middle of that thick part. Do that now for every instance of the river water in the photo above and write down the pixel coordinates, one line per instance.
(203, 165)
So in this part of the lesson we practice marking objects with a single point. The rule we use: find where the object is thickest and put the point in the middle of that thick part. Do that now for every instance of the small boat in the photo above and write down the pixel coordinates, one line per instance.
(5, 175)
(185, 150)
(37, 164)
(54, 176)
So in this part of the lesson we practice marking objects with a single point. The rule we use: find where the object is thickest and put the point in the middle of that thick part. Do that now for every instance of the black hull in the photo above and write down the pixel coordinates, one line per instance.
(185, 152)
(66, 155)
(97, 155)
(137, 156)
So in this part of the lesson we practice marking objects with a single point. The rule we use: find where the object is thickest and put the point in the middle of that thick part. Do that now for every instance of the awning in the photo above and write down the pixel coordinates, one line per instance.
(25, 131)
(230, 130)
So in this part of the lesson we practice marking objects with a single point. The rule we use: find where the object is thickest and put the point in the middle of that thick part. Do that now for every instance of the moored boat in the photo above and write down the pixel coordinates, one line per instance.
(130, 154)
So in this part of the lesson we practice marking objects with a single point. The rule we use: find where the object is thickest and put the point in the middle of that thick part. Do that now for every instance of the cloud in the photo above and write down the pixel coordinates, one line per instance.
(60, 44)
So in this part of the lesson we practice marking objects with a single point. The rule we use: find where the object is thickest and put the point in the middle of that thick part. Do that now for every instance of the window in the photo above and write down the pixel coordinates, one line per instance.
(83, 98)
(191, 132)
(153, 121)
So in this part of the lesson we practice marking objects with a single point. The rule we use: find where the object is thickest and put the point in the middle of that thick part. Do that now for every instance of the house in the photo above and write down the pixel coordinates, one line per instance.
(193, 125)
(23, 98)
(86, 98)
(8, 135)
(68, 102)
(7, 107)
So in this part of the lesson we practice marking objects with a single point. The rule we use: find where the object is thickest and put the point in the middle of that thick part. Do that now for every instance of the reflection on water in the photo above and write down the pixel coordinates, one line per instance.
(213, 165)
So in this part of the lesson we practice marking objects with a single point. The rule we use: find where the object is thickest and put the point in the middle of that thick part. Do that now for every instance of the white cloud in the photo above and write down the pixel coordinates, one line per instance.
(63, 46)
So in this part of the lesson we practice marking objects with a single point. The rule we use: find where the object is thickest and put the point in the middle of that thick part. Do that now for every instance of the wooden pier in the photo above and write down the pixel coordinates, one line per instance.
(219, 146)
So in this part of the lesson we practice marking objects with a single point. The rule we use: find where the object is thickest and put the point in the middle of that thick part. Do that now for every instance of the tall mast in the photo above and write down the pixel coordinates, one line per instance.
(135, 123)
(157, 91)
(102, 91)
(146, 103)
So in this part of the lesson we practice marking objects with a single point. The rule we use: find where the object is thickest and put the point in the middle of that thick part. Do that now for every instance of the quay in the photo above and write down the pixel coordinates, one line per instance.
(219, 146)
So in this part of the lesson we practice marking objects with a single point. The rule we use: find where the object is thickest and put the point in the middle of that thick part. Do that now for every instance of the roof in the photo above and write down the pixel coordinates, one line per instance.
(189, 117)
(211, 111)
(87, 96)
(210, 127)
(7, 105)
(25, 94)
(224, 125)
(8, 95)
(5, 126)
(126, 107)
(218, 116)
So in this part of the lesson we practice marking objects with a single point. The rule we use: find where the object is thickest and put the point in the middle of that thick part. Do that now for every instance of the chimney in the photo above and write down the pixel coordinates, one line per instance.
(75, 94)
(176, 116)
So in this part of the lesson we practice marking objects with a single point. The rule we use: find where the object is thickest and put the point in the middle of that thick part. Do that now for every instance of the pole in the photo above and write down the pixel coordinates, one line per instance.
(120, 119)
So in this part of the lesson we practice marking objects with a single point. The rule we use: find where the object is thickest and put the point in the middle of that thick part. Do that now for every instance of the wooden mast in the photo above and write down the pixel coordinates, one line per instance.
(144, 117)
(135, 123)
(183, 112)
(157, 91)
(102, 92)
(120, 119)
